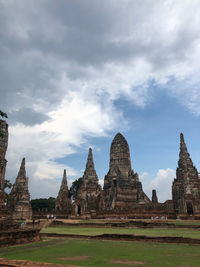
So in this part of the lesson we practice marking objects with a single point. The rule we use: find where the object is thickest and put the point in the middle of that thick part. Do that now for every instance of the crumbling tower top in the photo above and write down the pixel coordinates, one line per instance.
(64, 180)
(120, 154)
(185, 169)
(90, 172)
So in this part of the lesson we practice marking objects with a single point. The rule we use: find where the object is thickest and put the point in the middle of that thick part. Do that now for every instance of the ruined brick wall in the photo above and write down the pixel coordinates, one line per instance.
(3, 161)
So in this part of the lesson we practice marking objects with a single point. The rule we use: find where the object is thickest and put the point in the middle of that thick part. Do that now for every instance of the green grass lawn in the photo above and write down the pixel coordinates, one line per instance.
(105, 253)
(136, 231)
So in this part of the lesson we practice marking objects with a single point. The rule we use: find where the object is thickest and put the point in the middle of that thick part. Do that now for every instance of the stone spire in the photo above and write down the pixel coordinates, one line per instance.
(185, 168)
(122, 188)
(22, 170)
(20, 198)
(154, 196)
(64, 180)
(89, 194)
(90, 173)
(63, 201)
(186, 185)
(119, 154)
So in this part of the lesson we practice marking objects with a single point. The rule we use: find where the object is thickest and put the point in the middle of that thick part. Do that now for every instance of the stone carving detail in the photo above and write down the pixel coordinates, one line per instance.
(89, 197)
(154, 196)
(3, 162)
(63, 201)
(19, 203)
(186, 186)
(122, 188)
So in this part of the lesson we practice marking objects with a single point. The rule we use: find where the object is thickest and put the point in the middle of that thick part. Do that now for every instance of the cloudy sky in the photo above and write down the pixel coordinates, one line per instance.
(74, 73)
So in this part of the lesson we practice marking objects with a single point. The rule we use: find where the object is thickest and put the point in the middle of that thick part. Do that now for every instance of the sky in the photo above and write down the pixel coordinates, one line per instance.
(75, 73)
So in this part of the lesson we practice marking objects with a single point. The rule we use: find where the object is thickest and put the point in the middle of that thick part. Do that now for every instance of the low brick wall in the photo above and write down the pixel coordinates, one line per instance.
(134, 224)
(19, 236)
(127, 237)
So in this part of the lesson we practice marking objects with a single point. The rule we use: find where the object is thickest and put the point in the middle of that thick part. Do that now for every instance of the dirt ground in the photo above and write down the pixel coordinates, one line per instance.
(21, 263)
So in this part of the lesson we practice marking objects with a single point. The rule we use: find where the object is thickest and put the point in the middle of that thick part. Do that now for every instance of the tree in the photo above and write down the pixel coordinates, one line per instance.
(3, 114)
(43, 204)
(74, 188)
(7, 185)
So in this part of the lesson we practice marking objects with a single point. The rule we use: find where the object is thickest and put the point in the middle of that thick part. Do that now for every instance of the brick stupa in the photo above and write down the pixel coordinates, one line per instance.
(89, 196)
(63, 202)
(122, 188)
(19, 204)
(186, 186)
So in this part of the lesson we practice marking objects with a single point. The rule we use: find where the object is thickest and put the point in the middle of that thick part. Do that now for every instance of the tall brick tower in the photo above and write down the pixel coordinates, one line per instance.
(186, 186)
(63, 202)
(3, 162)
(122, 188)
(19, 204)
(89, 196)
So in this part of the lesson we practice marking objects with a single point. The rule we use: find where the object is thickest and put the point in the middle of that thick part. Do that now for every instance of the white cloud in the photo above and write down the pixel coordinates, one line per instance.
(144, 176)
(162, 183)
(74, 120)
(72, 68)
(101, 182)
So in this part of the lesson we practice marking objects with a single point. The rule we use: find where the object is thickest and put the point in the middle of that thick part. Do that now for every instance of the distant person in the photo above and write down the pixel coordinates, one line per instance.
(22, 221)
(33, 222)
(48, 217)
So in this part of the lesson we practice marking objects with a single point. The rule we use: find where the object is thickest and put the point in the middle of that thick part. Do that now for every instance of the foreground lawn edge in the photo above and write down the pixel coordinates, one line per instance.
(104, 253)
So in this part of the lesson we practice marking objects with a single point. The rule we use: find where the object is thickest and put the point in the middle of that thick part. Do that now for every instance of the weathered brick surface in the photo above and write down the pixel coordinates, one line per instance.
(3, 162)
(154, 196)
(122, 188)
(19, 203)
(19, 236)
(63, 202)
(186, 186)
(89, 197)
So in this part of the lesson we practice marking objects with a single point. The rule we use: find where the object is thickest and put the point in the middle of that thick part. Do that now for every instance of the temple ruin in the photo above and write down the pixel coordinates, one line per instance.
(63, 201)
(122, 193)
(19, 203)
(89, 198)
(186, 186)
(10, 228)
(122, 188)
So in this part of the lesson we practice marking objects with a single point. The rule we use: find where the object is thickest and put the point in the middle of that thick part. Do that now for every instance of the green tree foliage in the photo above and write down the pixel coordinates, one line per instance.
(74, 188)
(43, 204)
(3, 115)
(7, 185)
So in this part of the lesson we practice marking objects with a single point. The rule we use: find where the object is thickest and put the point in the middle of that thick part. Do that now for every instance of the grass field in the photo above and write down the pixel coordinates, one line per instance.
(136, 231)
(105, 253)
